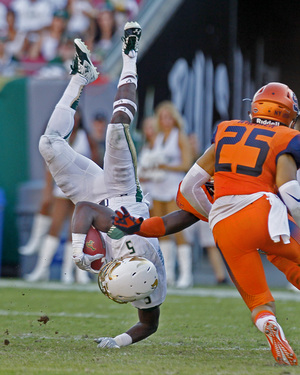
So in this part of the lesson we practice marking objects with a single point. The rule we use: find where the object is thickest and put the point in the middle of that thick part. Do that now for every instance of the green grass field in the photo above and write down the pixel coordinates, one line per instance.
(198, 334)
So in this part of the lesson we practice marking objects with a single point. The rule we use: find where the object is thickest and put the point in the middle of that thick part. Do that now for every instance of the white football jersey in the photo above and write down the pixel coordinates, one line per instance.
(147, 248)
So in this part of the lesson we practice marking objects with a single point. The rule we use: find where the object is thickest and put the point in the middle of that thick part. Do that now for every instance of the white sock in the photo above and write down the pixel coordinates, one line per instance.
(262, 321)
(72, 92)
(128, 70)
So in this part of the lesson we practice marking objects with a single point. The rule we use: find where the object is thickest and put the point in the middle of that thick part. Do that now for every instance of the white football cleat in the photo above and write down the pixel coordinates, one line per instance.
(132, 35)
(82, 63)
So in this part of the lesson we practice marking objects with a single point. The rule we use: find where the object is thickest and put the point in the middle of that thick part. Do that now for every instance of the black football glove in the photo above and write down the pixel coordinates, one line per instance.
(127, 223)
(210, 188)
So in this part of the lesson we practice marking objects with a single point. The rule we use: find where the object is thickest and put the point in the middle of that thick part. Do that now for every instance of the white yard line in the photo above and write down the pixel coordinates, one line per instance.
(58, 314)
(191, 292)
(17, 283)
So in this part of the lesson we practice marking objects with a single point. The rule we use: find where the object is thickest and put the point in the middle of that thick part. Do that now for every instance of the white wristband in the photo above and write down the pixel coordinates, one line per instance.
(123, 340)
(78, 240)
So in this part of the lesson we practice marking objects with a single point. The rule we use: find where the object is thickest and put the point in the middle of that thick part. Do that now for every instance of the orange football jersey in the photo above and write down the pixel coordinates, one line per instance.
(246, 156)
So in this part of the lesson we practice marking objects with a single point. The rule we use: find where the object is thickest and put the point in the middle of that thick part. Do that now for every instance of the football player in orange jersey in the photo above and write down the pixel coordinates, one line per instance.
(251, 162)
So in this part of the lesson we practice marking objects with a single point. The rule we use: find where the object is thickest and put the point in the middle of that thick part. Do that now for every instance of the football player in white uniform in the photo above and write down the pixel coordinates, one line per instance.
(98, 192)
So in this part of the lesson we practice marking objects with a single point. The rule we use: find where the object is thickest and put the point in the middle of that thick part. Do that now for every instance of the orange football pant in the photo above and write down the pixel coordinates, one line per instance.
(239, 237)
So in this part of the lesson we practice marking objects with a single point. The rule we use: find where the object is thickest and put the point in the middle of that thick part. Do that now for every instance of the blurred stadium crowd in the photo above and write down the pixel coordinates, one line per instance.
(36, 40)
(36, 36)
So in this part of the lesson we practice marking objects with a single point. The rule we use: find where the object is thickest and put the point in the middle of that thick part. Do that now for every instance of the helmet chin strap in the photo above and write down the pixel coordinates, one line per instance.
(292, 124)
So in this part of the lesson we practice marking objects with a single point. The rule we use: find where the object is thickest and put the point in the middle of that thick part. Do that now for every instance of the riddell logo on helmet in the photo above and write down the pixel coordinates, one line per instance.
(267, 122)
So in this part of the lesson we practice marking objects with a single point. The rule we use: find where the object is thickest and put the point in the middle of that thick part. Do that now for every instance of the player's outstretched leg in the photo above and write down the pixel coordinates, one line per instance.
(120, 155)
(125, 100)
(83, 72)
(76, 175)
(288, 267)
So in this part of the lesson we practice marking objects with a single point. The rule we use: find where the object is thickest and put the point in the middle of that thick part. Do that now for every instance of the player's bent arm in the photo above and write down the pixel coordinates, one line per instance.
(207, 160)
(85, 215)
(288, 186)
(155, 226)
(147, 325)
(168, 224)
(191, 196)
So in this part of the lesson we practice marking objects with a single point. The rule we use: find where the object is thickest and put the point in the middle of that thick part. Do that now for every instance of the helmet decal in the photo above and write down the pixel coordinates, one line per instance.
(128, 279)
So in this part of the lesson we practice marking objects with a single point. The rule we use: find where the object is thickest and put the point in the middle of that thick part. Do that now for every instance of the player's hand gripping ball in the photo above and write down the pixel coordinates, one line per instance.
(94, 244)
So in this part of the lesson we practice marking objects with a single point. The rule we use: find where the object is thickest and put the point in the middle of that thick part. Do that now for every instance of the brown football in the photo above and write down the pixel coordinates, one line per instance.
(94, 244)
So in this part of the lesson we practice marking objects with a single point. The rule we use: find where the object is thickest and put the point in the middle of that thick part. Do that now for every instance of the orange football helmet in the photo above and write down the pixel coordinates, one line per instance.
(275, 104)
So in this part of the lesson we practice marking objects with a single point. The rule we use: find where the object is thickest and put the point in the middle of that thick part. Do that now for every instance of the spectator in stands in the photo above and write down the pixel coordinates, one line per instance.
(65, 52)
(2, 18)
(7, 65)
(80, 13)
(125, 10)
(34, 29)
(173, 157)
(58, 4)
(105, 30)
(14, 38)
(59, 67)
(97, 3)
(147, 171)
(50, 38)
(32, 15)
(30, 57)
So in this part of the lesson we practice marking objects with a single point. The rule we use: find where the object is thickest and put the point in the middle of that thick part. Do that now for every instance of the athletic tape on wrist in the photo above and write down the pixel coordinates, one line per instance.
(78, 240)
(123, 340)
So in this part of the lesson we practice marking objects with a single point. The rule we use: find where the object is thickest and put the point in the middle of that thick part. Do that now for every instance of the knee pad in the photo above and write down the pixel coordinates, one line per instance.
(45, 148)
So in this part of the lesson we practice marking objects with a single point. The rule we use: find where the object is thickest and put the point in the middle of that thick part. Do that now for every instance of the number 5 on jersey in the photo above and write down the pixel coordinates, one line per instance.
(130, 247)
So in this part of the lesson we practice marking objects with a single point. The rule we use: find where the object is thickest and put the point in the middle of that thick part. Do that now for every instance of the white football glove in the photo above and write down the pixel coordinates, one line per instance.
(106, 342)
(84, 261)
